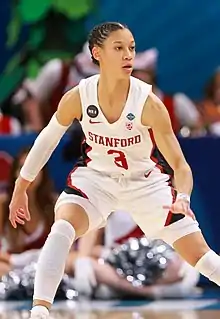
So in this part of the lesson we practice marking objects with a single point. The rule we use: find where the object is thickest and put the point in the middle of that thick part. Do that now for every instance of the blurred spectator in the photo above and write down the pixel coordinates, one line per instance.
(41, 196)
(95, 277)
(210, 106)
(9, 125)
(182, 110)
(41, 96)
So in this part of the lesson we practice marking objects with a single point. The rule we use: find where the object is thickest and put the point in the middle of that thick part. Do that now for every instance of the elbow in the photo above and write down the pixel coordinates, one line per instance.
(182, 166)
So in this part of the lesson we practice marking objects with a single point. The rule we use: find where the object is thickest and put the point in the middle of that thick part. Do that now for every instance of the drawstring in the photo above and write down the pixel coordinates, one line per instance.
(118, 176)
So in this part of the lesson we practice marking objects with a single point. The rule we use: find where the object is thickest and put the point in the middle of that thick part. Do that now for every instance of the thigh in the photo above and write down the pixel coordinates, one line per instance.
(148, 201)
(91, 191)
(191, 247)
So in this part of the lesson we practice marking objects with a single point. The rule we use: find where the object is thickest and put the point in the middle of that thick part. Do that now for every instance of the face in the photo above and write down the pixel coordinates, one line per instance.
(117, 53)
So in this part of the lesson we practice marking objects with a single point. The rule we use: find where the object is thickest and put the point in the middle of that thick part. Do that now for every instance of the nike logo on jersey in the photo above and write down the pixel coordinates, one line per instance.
(94, 122)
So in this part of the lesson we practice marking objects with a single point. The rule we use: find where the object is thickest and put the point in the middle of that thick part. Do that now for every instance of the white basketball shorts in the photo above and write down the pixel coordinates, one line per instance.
(141, 195)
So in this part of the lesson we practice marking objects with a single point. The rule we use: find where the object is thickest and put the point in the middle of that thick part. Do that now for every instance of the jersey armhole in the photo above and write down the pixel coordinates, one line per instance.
(81, 87)
(142, 100)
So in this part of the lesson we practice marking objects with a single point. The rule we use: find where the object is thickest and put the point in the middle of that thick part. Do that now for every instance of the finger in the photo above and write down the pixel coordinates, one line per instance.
(19, 220)
(13, 222)
(22, 215)
(191, 214)
(27, 215)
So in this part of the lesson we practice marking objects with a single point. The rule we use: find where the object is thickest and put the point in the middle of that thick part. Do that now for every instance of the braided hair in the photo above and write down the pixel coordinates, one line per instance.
(100, 33)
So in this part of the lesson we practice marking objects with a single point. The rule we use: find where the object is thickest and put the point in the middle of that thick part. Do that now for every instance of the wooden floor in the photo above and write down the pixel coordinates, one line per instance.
(200, 314)
(167, 309)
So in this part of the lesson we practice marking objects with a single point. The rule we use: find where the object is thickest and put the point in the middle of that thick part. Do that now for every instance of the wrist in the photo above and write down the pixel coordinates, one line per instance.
(21, 184)
(183, 196)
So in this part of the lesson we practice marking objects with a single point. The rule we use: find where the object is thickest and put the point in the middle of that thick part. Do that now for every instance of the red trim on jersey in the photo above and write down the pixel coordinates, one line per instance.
(152, 151)
(89, 148)
(170, 214)
(86, 151)
(69, 183)
(69, 175)
(135, 233)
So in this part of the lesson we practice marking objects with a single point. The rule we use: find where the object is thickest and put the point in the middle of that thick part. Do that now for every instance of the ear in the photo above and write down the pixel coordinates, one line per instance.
(96, 52)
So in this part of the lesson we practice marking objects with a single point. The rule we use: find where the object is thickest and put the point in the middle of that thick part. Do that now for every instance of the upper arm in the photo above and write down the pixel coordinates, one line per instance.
(69, 107)
(157, 117)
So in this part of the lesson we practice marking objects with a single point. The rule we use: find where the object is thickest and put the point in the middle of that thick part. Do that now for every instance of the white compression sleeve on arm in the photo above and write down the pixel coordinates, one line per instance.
(42, 149)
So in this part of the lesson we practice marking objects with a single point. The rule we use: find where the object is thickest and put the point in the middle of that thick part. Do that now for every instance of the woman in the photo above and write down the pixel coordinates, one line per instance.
(33, 234)
(119, 115)
(210, 106)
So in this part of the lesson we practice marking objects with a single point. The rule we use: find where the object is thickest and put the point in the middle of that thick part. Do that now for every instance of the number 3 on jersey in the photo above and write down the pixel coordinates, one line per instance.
(120, 160)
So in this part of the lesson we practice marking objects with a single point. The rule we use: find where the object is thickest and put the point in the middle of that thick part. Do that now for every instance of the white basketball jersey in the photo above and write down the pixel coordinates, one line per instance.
(124, 146)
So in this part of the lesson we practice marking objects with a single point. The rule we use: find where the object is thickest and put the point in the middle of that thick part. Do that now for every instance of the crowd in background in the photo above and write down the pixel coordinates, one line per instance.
(29, 109)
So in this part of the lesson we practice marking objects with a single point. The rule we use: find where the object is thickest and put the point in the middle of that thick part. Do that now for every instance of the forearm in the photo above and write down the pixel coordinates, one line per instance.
(183, 179)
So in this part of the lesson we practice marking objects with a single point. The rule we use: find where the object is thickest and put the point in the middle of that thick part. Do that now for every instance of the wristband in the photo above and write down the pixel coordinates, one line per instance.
(183, 196)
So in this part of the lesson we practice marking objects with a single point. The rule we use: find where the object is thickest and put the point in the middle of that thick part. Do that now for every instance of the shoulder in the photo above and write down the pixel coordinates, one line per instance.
(154, 111)
(70, 105)
(90, 80)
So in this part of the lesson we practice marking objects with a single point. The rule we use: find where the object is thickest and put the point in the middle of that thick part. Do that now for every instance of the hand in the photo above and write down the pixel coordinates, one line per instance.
(84, 276)
(4, 257)
(18, 208)
(181, 206)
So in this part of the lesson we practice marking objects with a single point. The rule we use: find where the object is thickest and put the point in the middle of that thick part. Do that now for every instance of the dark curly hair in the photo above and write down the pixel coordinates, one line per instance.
(100, 33)
(44, 197)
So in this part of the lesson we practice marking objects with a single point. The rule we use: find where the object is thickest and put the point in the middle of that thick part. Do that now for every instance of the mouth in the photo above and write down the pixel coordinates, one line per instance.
(128, 67)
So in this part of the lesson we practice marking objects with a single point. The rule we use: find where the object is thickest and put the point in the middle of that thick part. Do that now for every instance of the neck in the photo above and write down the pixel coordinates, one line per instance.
(112, 86)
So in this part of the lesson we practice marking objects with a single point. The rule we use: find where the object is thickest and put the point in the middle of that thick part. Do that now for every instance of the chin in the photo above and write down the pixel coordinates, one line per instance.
(124, 75)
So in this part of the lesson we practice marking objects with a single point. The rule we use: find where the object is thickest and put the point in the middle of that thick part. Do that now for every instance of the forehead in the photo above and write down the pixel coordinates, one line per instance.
(123, 36)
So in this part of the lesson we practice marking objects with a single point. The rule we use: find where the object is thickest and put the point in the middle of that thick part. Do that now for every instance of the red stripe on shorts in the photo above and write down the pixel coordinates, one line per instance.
(170, 214)
(69, 183)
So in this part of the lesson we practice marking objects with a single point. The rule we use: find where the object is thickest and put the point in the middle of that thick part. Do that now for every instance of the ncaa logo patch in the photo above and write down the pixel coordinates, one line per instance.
(92, 111)
(130, 116)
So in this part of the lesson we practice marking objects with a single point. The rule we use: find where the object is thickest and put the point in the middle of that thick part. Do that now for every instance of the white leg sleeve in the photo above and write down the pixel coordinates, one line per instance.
(52, 260)
(209, 266)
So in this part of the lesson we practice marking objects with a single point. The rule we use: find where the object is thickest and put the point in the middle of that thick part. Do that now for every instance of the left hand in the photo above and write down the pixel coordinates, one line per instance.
(181, 206)
(84, 276)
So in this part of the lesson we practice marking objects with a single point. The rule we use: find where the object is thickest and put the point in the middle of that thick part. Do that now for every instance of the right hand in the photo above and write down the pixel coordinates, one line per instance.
(18, 208)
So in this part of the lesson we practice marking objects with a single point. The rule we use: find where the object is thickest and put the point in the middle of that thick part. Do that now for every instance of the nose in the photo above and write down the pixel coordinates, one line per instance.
(128, 55)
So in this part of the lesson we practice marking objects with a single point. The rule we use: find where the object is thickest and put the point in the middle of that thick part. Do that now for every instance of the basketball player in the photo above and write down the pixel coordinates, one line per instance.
(118, 114)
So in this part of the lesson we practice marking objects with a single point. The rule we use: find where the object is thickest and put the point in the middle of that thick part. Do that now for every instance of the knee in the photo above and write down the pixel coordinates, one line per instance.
(193, 260)
(76, 216)
(63, 228)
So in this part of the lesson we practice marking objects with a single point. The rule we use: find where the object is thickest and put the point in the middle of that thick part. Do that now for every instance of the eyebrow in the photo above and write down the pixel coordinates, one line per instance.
(118, 41)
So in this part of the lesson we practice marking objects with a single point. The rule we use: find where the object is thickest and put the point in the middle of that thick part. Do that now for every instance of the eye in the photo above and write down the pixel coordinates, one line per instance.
(118, 48)
(132, 48)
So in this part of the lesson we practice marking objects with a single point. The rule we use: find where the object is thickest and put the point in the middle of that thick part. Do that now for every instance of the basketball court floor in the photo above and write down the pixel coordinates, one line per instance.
(204, 307)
